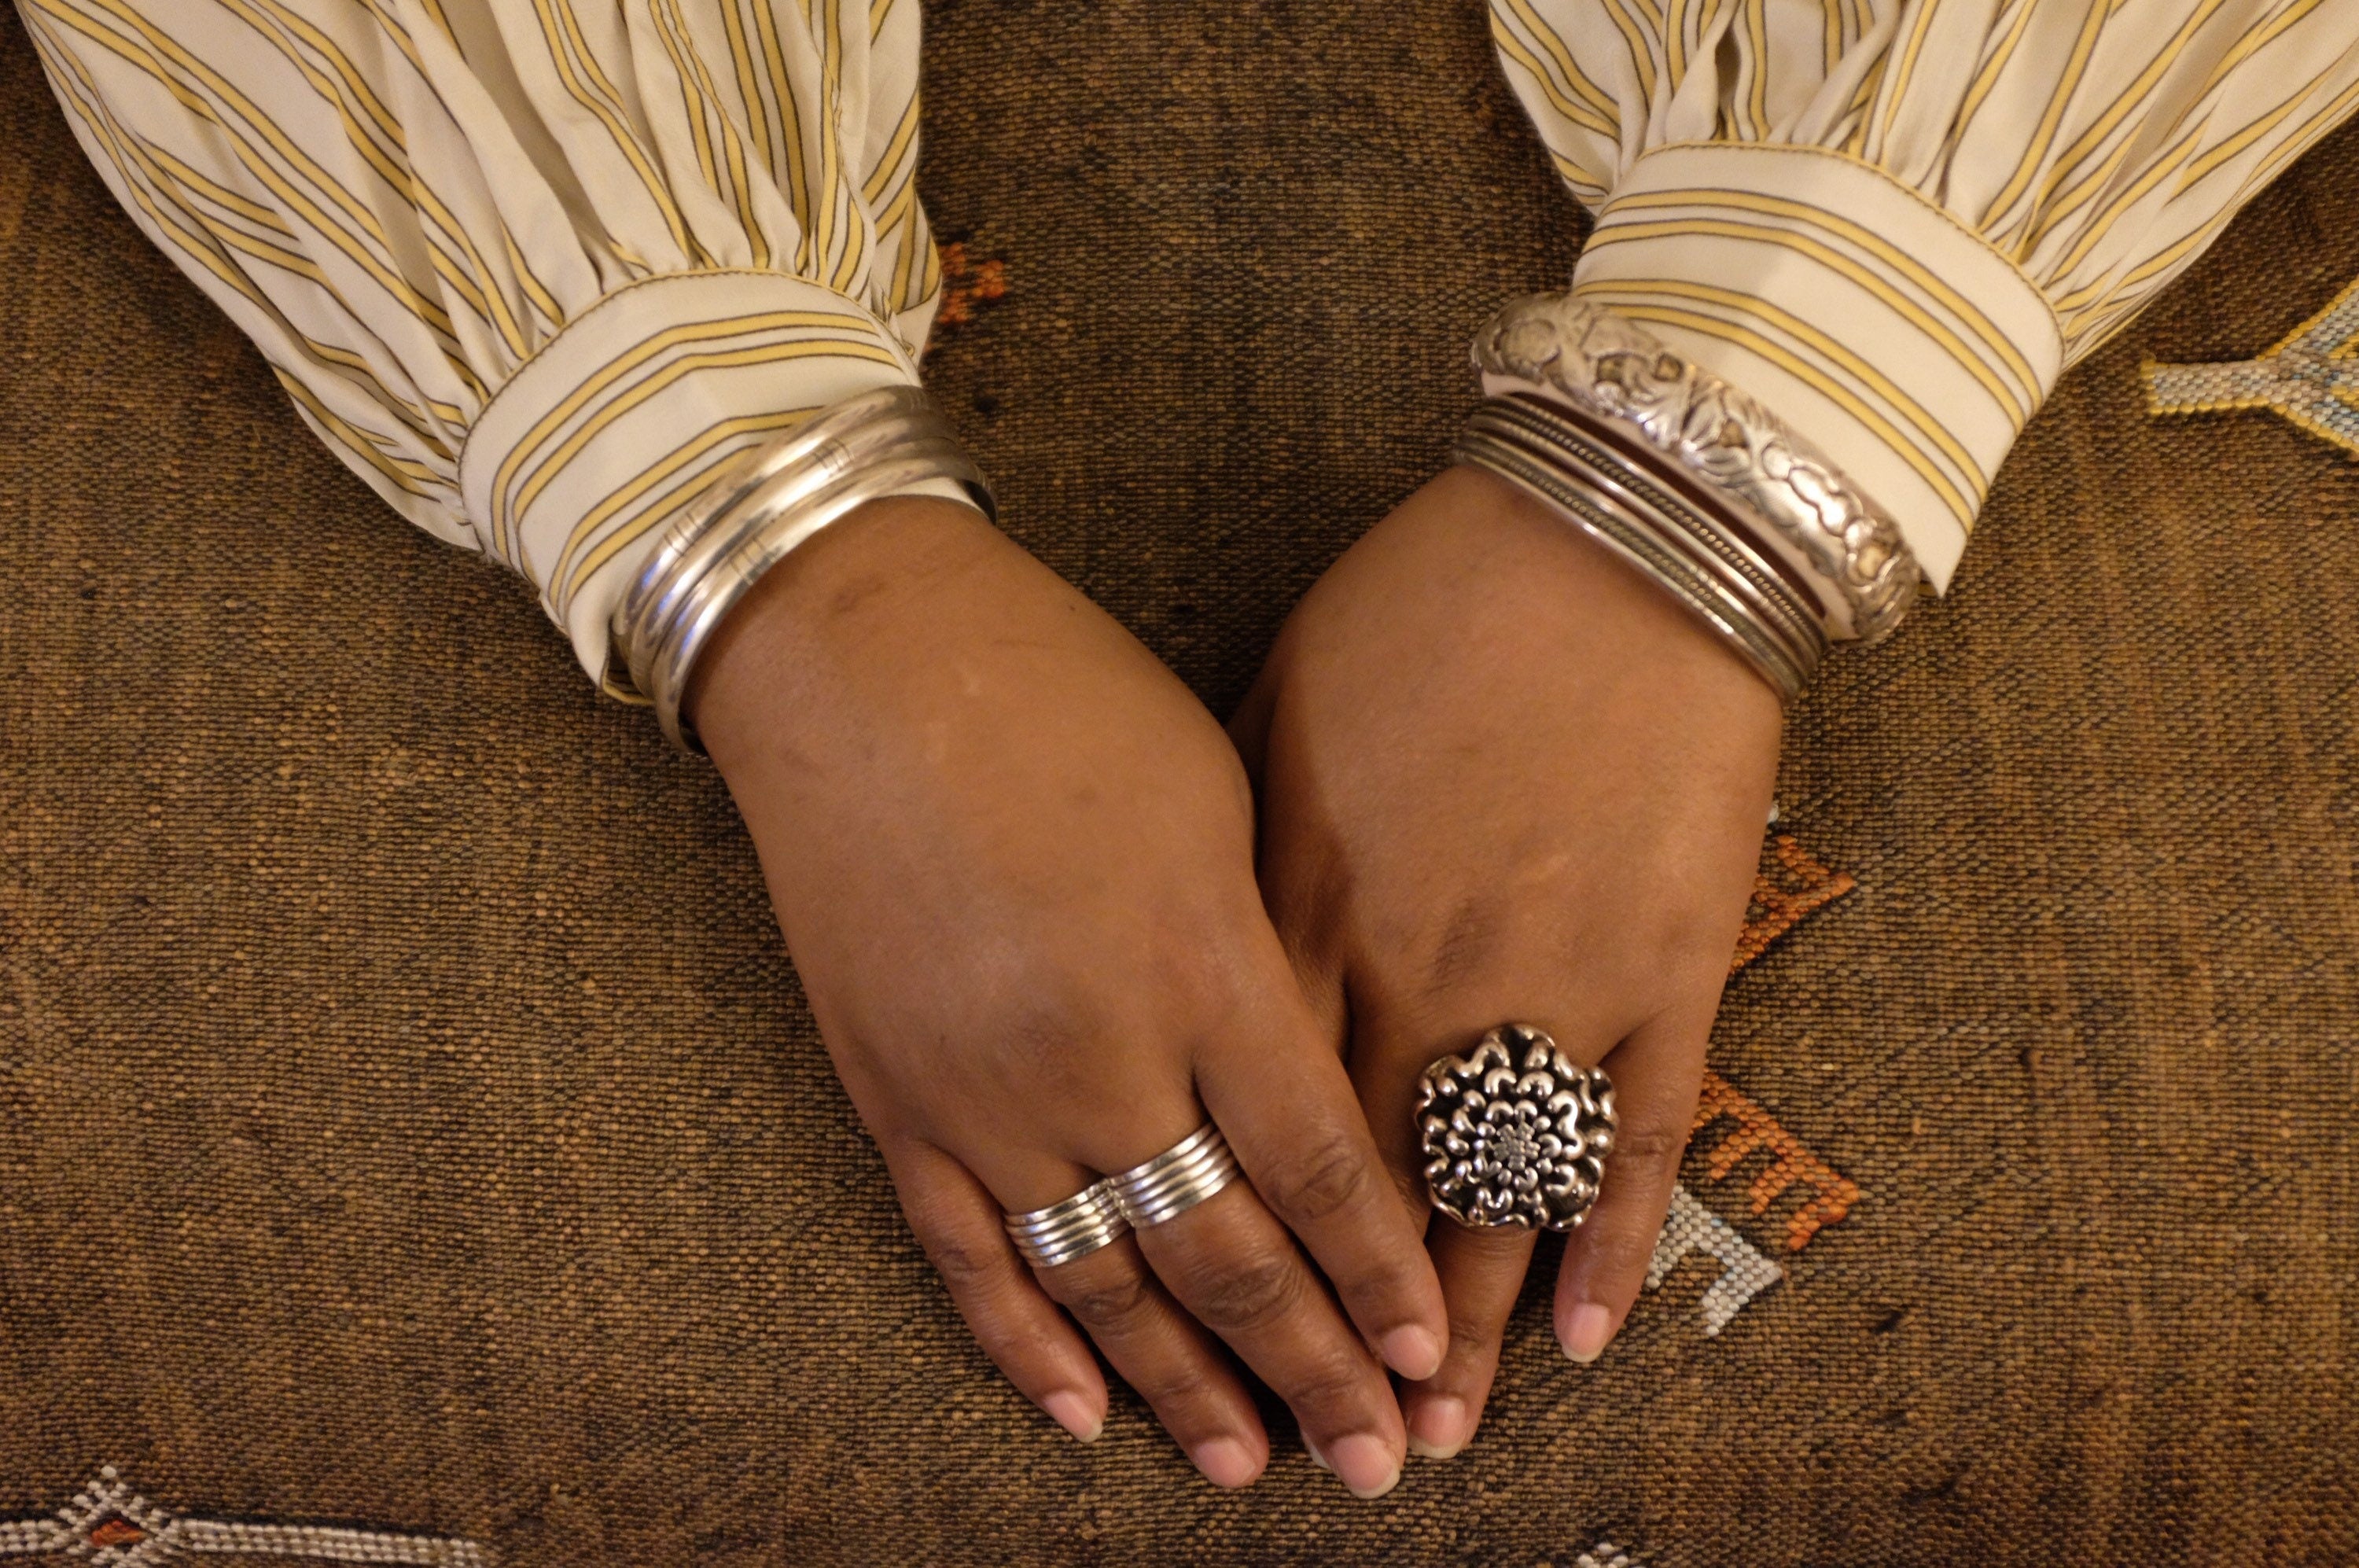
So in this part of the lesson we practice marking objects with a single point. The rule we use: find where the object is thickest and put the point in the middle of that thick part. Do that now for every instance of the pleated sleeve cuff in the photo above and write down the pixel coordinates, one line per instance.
(1896, 339)
(589, 449)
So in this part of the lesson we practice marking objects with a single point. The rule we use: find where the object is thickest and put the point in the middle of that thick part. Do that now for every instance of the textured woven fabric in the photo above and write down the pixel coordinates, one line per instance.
(408, 1124)
(536, 274)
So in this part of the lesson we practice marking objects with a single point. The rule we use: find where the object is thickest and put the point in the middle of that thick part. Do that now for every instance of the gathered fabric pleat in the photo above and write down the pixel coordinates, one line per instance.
(535, 269)
(1899, 221)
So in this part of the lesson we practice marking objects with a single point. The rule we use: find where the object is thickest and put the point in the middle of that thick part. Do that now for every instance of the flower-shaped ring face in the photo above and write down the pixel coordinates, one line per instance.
(1515, 1133)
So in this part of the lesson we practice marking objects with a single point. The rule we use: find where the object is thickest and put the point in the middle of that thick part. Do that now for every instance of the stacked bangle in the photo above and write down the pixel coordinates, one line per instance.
(1691, 481)
(770, 500)
(1738, 595)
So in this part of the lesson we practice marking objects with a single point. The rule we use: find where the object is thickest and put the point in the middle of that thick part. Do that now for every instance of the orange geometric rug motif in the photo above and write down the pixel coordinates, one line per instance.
(969, 283)
(1791, 884)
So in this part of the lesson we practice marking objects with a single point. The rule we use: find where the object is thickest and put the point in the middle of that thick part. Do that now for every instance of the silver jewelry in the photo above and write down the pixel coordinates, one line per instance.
(1175, 1180)
(1701, 427)
(1064, 1231)
(1515, 1133)
(768, 501)
(1737, 593)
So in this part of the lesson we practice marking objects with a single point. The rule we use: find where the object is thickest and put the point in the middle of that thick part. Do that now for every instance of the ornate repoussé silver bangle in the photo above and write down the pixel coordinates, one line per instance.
(1692, 480)
(769, 500)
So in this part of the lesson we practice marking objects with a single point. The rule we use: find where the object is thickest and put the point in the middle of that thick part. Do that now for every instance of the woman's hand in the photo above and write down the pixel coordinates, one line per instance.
(1505, 779)
(1013, 860)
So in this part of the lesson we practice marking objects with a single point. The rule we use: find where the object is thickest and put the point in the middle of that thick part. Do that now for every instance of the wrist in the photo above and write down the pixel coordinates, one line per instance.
(852, 597)
(1473, 573)
(1618, 622)
(1469, 543)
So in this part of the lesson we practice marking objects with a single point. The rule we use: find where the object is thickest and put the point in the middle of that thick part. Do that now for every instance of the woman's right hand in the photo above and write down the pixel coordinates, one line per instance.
(1013, 861)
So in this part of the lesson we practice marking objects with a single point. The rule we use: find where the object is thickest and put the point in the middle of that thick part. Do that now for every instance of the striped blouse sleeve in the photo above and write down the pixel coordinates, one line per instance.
(534, 268)
(1896, 222)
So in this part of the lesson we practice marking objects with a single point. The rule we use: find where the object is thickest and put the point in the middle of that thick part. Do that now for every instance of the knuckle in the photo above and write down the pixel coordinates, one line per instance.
(1620, 1254)
(1323, 1182)
(1048, 1032)
(1381, 1284)
(1472, 1340)
(1186, 1399)
(1014, 1348)
(1478, 1330)
(1183, 1399)
(1686, 936)
(1246, 1294)
(964, 1265)
(1332, 1384)
(1105, 1304)
(1650, 1150)
(1467, 945)
(1195, 981)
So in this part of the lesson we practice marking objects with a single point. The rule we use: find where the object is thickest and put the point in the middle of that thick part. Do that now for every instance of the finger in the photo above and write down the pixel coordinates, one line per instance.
(1177, 1367)
(1482, 1273)
(1229, 1262)
(1481, 1270)
(1395, 1038)
(958, 1223)
(1248, 728)
(1168, 1357)
(1286, 1103)
(1657, 1073)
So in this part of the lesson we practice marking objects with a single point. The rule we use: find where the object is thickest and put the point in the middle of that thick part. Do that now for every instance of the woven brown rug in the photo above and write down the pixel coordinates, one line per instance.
(408, 1124)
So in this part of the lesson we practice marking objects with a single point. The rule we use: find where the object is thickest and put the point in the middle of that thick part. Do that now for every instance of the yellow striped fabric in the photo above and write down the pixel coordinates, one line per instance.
(533, 268)
(1897, 221)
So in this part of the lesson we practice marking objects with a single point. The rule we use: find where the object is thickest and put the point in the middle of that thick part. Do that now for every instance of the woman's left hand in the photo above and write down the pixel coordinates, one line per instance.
(1505, 779)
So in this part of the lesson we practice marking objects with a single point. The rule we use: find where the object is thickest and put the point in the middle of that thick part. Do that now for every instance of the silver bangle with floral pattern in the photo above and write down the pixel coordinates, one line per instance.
(1716, 443)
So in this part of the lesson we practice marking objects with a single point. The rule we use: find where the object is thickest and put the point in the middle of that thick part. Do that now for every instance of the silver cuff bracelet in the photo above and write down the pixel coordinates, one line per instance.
(1740, 596)
(768, 501)
(1717, 451)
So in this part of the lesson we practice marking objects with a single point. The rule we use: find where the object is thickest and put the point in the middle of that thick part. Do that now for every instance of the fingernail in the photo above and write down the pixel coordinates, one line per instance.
(1413, 1351)
(1585, 1332)
(1316, 1457)
(1225, 1462)
(1074, 1414)
(1437, 1427)
(1365, 1464)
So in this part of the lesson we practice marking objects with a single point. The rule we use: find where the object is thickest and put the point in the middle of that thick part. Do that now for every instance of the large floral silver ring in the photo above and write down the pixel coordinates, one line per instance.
(1515, 1133)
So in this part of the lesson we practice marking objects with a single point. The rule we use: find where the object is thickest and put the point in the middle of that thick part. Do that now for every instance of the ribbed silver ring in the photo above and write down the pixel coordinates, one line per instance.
(1064, 1231)
(1175, 1180)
